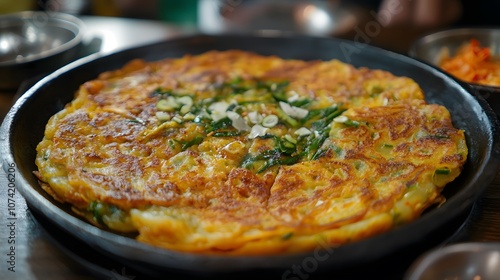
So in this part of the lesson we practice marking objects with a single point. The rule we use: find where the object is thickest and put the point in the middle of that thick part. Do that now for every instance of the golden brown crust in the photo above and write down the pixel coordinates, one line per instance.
(142, 149)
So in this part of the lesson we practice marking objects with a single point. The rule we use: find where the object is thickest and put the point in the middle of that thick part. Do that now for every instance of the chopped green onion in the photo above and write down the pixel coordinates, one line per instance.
(172, 143)
(167, 105)
(340, 119)
(328, 115)
(287, 236)
(99, 210)
(238, 122)
(352, 123)
(291, 121)
(276, 89)
(442, 171)
(292, 111)
(220, 124)
(177, 119)
(189, 117)
(272, 162)
(293, 96)
(233, 115)
(256, 131)
(185, 100)
(235, 86)
(288, 145)
(279, 96)
(346, 121)
(161, 91)
(302, 131)
(231, 107)
(270, 121)
(284, 146)
(220, 106)
(319, 153)
(267, 165)
(162, 116)
(289, 160)
(226, 133)
(185, 109)
(195, 141)
(300, 103)
(255, 117)
(290, 139)
(236, 80)
(440, 136)
(218, 115)
(315, 144)
(376, 90)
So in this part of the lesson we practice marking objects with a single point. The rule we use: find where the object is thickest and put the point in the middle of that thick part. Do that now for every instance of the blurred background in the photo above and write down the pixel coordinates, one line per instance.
(392, 24)
(31, 49)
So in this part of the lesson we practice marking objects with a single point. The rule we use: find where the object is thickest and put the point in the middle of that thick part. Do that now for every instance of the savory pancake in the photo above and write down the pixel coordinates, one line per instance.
(238, 153)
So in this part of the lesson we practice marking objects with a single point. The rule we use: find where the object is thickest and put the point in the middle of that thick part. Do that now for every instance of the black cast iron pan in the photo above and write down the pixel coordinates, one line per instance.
(24, 126)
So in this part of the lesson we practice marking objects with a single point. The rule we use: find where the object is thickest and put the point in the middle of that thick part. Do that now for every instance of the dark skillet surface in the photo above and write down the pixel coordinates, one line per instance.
(24, 126)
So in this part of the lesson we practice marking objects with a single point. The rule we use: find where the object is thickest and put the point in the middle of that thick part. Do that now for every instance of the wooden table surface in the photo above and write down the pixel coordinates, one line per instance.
(38, 252)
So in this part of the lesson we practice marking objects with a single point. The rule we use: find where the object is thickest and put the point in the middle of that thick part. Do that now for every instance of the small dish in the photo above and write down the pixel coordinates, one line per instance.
(458, 261)
(429, 49)
(32, 43)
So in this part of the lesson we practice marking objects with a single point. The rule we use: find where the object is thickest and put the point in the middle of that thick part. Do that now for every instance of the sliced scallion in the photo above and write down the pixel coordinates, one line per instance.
(256, 131)
(185, 100)
(292, 111)
(195, 141)
(226, 133)
(162, 116)
(302, 131)
(289, 120)
(255, 117)
(219, 124)
(340, 119)
(442, 171)
(287, 236)
(167, 105)
(290, 139)
(185, 109)
(270, 121)
(177, 119)
(300, 103)
(352, 123)
(189, 117)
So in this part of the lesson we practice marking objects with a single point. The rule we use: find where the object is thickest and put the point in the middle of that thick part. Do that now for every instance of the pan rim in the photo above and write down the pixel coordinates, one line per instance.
(215, 263)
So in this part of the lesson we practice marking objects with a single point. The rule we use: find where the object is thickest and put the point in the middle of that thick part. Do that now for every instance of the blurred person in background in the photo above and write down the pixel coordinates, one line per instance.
(425, 13)
(421, 13)
(401, 19)
(437, 13)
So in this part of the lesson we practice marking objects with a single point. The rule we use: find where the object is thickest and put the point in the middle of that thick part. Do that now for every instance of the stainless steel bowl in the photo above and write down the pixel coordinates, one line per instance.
(459, 261)
(32, 43)
(430, 49)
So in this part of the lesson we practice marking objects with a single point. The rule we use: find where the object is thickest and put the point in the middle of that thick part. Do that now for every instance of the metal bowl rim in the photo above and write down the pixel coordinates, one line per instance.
(56, 17)
(421, 264)
(447, 33)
